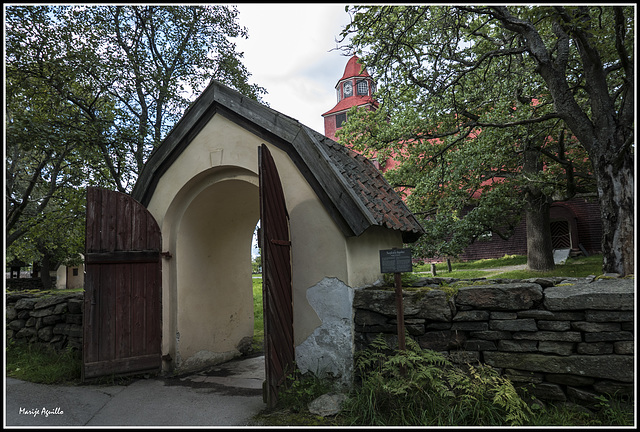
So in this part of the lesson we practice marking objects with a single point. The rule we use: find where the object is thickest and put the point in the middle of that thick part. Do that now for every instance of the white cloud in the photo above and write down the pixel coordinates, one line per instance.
(289, 53)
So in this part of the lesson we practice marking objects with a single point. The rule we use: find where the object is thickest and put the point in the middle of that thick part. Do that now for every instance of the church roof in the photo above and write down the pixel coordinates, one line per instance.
(353, 191)
(354, 69)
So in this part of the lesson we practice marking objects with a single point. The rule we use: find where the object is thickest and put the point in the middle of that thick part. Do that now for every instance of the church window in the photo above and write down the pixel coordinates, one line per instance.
(362, 88)
(340, 119)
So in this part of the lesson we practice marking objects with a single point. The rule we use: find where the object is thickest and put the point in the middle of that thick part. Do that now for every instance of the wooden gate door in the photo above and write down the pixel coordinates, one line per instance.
(276, 278)
(122, 299)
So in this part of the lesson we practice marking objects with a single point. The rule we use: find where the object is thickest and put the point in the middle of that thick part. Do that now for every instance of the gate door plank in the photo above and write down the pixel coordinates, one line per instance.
(276, 278)
(122, 301)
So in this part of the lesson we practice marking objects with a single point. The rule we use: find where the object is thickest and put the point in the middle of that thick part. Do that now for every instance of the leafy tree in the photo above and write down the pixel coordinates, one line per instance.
(91, 90)
(149, 60)
(47, 163)
(159, 56)
(256, 264)
(485, 84)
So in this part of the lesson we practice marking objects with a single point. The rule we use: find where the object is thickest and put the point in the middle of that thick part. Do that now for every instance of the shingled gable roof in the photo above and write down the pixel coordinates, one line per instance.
(351, 189)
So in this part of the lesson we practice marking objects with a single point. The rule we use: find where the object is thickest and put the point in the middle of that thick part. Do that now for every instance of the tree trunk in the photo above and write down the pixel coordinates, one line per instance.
(44, 272)
(539, 246)
(616, 199)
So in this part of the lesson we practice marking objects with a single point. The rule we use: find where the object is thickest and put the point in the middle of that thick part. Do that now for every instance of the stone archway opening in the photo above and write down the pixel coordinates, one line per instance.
(214, 289)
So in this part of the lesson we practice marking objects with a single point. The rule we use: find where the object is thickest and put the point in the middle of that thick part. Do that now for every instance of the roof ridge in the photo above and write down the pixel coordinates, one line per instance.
(329, 167)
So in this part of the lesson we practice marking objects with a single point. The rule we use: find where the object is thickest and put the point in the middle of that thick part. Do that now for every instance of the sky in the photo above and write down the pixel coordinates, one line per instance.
(291, 53)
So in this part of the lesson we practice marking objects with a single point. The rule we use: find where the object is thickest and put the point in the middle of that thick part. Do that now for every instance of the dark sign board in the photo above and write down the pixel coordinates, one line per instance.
(395, 261)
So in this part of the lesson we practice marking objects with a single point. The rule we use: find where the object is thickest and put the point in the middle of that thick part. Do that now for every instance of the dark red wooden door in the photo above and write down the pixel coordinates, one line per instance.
(276, 278)
(122, 328)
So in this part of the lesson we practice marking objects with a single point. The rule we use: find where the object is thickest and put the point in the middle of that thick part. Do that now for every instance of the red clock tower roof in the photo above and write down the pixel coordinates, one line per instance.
(354, 69)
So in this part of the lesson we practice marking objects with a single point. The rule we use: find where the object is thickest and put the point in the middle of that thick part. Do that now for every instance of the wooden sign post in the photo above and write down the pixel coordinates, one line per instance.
(397, 261)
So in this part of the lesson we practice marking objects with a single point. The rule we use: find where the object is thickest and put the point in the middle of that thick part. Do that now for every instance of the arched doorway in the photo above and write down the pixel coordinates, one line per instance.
(210, 277)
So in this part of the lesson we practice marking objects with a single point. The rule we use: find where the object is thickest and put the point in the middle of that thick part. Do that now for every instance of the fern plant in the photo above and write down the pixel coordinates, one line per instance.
(417, 387)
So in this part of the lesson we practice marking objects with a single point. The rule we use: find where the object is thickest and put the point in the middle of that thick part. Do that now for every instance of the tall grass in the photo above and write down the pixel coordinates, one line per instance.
(42, 364)
(615, 411)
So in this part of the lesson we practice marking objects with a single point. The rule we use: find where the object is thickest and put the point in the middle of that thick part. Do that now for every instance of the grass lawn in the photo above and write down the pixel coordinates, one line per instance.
(258, 315)
(495, 268)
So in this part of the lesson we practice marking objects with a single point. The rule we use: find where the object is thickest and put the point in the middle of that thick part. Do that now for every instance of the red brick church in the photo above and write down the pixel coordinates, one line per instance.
(575, 224)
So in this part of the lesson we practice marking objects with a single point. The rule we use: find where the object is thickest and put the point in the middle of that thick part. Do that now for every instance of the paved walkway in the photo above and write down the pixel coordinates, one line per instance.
(226, 395)
(505, 269)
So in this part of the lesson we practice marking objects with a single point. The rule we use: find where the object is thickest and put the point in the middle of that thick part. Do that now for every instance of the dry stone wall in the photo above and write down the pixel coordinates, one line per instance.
(562, 340)
(54, 320)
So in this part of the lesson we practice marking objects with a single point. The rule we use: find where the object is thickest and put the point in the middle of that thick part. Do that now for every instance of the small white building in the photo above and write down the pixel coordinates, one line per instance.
(70, 277)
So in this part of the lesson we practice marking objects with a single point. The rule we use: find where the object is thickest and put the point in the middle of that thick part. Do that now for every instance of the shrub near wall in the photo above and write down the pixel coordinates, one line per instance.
(558, 339)
(54, 320)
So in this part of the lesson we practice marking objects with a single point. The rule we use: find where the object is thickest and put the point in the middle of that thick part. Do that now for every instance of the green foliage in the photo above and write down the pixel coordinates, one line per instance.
(256, 264)
(51, 153)
(91, 90)
(485, 107)
(419, 387)
(42, 364)
(507, 260)
(612, 411)
(573, 267)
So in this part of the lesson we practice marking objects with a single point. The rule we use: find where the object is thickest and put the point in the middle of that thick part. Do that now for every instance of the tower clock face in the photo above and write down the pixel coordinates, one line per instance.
(348, 89)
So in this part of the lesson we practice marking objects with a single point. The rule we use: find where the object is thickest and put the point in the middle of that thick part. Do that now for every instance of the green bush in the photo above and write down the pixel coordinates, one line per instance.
(419, 387)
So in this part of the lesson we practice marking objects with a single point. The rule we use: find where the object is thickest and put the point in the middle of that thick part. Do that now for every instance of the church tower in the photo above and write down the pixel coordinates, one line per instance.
(355, 88)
